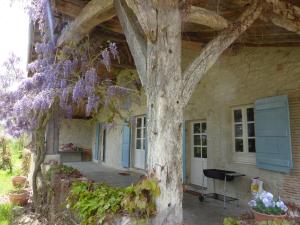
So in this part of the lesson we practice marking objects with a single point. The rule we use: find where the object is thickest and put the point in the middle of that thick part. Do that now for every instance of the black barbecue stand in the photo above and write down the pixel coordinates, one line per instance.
(218, 174)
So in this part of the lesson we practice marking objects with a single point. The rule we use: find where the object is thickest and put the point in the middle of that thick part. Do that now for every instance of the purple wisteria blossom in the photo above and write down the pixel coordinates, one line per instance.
(92, 104)
(79, 91)
(66, 76)
(106, 59)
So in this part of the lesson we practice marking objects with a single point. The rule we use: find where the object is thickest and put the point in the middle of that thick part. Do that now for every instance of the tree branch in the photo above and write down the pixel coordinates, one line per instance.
(207, 18)
(135, 40)
(94, 13)
(210, 54)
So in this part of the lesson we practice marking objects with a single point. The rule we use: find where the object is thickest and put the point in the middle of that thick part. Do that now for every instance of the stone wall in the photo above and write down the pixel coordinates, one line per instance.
(240, 79)
(76, 131)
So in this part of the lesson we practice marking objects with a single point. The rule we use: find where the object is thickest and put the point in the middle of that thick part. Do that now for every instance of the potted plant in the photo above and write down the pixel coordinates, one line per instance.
(265, 207)
(19, 181)
(19, 196)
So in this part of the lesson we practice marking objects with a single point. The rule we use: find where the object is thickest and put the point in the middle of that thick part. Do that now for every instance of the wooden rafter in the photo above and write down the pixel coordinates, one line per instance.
(145, 20)
(207, 18)
(99, 11)
(135, 40)
(94, 13)
(211, 52)
(284, 14)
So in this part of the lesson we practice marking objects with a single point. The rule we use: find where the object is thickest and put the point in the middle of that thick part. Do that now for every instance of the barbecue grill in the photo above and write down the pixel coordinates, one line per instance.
(218, 174)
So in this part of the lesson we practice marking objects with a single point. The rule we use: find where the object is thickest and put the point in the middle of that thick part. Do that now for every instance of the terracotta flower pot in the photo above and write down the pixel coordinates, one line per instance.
(19, 181)
(19, 198)
(266, 217)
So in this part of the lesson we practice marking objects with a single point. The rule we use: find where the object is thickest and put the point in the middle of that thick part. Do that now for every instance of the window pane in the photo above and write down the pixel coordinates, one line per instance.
(139, 122)
(204, 152)
(138, 143)
(196, 128)
(251, 145)
(144, 132)
(197, 140)
(251, 131)
(197, 152)
(203, 128)
(138, 133)
(237, 115)
(204, 140)
(238, 130)
(238, 145)
(145, 122)
(250, 114)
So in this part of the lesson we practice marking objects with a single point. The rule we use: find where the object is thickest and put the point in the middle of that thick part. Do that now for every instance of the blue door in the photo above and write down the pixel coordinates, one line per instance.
(98, 141)
(126, 146)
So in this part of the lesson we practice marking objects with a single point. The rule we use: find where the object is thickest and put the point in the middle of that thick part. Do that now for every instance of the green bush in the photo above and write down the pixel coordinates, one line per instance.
(26, 160)
(231, 221)
(97, 202)
(6, 214)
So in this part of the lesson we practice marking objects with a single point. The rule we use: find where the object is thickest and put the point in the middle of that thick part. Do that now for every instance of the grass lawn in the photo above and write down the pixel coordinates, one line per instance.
(6, 214)
(5, 175)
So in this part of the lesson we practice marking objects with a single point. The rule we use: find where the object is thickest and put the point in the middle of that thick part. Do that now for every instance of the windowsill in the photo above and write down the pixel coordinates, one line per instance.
(244, 158)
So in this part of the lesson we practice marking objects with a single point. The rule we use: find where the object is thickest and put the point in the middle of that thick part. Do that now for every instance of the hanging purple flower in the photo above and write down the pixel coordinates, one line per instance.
(114, 50)
(79, 91)
(106, 59)
(92, 104)
(67, 68)
(63, 83)
(91, 77)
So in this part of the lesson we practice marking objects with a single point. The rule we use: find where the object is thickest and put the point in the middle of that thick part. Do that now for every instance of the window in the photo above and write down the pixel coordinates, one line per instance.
(244, 134)
(140, 137)
(199, 140)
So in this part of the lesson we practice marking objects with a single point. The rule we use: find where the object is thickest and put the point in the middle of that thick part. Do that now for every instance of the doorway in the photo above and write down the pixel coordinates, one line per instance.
(198, 153)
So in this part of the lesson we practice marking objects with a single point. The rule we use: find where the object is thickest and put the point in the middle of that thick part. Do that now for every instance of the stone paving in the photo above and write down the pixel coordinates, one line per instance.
(209, 212)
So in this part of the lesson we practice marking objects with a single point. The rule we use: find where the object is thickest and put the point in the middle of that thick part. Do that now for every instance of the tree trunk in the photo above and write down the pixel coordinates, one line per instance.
(40, 154)
(165, 114)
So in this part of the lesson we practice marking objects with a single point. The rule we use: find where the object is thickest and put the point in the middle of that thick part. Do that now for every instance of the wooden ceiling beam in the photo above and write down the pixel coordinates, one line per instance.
(207, 18)
(284, 14)
(71, 8)
(94, 13)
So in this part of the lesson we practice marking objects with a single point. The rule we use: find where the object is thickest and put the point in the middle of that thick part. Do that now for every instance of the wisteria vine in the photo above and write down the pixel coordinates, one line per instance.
(69, 77)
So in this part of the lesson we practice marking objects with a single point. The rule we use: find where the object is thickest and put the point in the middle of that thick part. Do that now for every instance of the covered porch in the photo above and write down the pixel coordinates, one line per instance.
(208, 212)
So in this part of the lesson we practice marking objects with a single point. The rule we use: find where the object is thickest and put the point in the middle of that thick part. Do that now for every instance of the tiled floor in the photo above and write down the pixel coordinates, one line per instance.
(209, 212)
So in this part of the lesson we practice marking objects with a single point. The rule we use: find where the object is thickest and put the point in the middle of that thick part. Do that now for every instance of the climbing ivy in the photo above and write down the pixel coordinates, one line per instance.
(97, 203)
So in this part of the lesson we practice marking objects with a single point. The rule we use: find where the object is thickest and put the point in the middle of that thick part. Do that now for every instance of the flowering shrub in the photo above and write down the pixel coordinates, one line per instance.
(64, 78)
(265, 202)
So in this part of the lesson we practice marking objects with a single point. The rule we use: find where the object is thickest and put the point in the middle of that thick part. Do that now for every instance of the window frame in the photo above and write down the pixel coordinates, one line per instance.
(143, 134)
(244, 157)
(200, 134)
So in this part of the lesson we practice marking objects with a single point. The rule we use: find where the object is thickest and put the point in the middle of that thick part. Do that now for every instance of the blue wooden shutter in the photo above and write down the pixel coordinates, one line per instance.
(146, 144)
(273, 136)
(183, 152)
(98, 138)
(126, 146)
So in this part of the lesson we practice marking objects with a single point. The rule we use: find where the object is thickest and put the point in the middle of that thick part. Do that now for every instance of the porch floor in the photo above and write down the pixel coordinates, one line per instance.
(209, 212)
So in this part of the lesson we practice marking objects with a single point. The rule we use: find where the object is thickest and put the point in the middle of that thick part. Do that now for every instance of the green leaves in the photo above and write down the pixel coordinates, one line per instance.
(231, 221)
(96, 202)
(261, 208)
